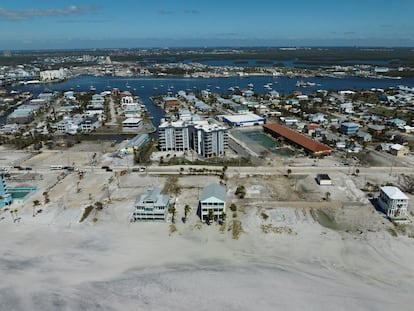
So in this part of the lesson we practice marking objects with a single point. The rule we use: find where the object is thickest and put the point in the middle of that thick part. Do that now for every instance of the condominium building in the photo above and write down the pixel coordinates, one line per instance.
(209, 140)
(174, 136)
(206, 138)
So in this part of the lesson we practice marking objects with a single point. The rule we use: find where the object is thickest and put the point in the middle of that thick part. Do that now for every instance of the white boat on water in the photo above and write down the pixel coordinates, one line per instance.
(250, 85)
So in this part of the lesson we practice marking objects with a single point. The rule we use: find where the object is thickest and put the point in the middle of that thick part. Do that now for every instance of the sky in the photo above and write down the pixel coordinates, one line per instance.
(47, 24)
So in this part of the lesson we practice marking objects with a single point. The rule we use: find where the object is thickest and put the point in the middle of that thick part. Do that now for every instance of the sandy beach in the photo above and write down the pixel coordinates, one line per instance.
(142, 266)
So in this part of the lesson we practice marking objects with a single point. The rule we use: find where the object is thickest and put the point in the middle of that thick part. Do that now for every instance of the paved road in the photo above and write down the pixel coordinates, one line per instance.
(249, 170)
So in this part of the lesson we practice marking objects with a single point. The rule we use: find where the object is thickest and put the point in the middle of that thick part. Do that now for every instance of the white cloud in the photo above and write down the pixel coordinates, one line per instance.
(15, 15)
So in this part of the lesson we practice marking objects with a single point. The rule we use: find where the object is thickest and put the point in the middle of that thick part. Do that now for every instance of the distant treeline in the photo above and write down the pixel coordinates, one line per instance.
(317, 56)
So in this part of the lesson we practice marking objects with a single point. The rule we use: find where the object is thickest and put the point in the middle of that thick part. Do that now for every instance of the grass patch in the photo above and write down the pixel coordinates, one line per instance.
(236, 229)
(392, 232)
(86, 213)
(271, 229)
(173, 228)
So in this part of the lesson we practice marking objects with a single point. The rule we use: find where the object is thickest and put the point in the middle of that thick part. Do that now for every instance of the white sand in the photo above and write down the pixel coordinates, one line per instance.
(47, 264)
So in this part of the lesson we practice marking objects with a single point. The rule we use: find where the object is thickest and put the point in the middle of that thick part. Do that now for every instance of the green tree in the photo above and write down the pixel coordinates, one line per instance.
(46, 197)
(223, 216)
(240, 192)
(173, 212)
(210, 216)
(327, 195)
(99, 205)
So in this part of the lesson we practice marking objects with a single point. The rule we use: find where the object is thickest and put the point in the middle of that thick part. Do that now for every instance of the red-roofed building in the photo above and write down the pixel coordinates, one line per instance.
(311, 146)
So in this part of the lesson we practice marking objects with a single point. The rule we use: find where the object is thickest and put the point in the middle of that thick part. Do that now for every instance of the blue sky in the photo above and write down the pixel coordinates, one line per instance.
(46, 24)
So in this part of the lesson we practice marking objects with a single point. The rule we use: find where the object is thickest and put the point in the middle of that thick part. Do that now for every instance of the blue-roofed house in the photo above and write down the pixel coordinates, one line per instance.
(397, 122)
(212, 198)
(349, 128)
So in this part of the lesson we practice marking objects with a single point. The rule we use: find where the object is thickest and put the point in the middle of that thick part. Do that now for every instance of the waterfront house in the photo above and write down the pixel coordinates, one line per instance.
(151, 206)
(170, 103)
(90, 124)
(131, 124)
(393, 202)
(212, 202)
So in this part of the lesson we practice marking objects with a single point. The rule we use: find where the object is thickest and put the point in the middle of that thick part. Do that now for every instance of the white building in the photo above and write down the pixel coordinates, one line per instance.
(205, 137)
(50, 75)
(393, 202)
(151, 206)
(209, 139)
(90, 124)
(249, 119)
(174, 136)
(212, 198)
(131, 124)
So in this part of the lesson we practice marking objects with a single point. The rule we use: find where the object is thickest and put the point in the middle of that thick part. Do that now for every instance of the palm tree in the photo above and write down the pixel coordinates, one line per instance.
(46, 195)
(15, 213)
(327, 195)
(210, 215)
(173, 212)
(187, 210)
(12, 215)
(98, 205)
(223, 216)
(35, 204)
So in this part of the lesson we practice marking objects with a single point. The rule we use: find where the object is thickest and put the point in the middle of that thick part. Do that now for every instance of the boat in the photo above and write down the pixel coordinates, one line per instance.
(250, 85)
(92, 88)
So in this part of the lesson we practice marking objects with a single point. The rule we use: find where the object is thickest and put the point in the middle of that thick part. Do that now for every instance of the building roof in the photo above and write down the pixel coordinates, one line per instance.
(299, 139)
(323, 177)
(132, 120)
(241, 118)
(394, 193)
(214, 190)
(397, 147)
(349, 124)
(153, 196)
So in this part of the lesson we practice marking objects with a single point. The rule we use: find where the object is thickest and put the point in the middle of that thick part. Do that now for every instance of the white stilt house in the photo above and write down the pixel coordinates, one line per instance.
(212, 202)
(393, 202)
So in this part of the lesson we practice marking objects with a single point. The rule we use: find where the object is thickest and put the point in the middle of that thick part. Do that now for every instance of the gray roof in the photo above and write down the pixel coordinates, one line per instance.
(214, 190)
(153, 196)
